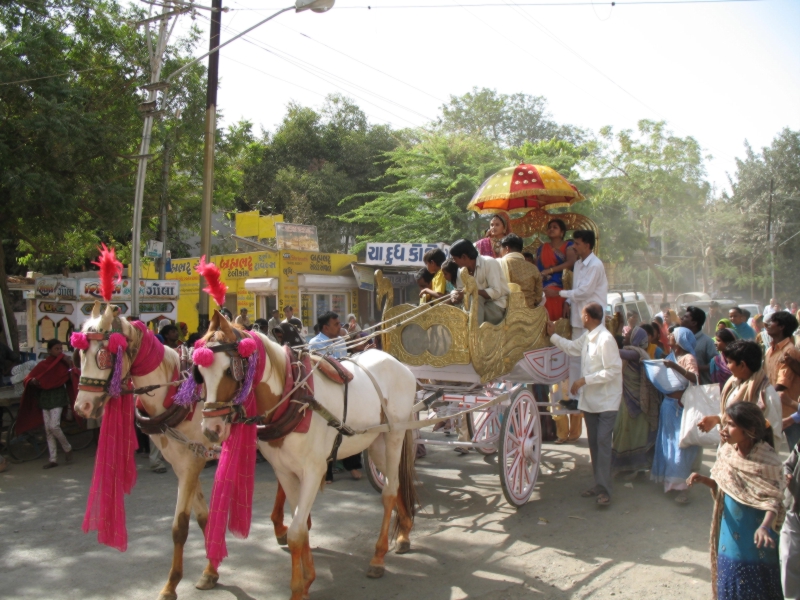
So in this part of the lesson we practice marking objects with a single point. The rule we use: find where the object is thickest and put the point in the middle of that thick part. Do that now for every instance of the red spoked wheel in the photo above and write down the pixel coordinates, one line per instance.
(486, 427)
(520, 448)
(375, 477)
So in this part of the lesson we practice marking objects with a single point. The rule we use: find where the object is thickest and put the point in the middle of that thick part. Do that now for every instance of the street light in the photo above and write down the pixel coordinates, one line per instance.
(318, 6)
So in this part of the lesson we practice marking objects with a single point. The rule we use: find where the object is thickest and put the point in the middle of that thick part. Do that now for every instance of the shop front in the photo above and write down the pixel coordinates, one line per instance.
(309, 282)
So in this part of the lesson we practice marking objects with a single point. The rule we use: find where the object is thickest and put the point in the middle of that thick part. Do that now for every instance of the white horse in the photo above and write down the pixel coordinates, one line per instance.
(300, 459)
(184, 461)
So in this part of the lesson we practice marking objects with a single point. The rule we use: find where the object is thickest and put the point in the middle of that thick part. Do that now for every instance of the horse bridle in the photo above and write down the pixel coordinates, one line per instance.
(230, 412)
(105, 362)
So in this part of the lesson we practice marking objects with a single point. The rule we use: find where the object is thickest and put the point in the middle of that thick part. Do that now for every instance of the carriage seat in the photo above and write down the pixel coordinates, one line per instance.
(331, 368)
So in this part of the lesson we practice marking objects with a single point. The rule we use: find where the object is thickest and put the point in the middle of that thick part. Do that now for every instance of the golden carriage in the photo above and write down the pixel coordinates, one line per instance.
(464, 364)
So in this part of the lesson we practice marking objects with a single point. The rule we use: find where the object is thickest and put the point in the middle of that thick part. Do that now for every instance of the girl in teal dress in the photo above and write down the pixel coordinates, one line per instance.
(747, 486)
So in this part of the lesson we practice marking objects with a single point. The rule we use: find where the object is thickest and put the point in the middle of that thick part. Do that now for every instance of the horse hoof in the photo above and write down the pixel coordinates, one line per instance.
(207, 582)
(375, 572)
(165, 596)
(283, 539)
(403, 547)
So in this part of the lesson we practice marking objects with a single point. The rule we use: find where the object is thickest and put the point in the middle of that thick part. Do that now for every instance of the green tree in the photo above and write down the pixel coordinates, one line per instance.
(436, 176)
(314, 160)
(507, 120)
(744, 258)
(651, 186)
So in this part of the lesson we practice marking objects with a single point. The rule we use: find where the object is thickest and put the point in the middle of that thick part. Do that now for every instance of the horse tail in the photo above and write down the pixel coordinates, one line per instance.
(407, 481)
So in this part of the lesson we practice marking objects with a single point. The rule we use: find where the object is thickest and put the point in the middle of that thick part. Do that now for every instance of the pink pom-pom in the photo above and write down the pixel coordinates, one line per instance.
(199, 344)
(79, 341)
(203, 357)
(117, 341)
(246, 347)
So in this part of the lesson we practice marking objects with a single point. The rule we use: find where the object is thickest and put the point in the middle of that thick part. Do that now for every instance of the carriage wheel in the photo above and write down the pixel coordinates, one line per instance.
(486, 428)
(520, 447)
(26, 446)
(77, 435)
(376, 478)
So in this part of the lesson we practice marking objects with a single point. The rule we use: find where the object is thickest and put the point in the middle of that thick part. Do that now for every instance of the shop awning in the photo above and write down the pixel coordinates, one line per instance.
(264, 285)
(326, 282)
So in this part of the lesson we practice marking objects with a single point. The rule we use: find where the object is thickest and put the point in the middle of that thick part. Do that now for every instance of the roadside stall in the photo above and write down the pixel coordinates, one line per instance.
(57, 314)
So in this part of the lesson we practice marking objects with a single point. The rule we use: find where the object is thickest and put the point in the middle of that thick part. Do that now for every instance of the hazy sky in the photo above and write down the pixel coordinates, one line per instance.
(721, 72)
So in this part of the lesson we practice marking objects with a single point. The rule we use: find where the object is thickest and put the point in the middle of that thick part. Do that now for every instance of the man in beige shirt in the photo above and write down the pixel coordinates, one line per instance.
(520, 271)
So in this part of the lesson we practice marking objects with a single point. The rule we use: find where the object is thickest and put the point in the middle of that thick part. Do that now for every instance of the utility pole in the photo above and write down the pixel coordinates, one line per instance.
(149, 108)
(770, 239)
(208, 156)
(162, 235)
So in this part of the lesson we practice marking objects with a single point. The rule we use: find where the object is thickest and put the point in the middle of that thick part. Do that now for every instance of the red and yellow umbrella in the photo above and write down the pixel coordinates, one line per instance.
(523, 188)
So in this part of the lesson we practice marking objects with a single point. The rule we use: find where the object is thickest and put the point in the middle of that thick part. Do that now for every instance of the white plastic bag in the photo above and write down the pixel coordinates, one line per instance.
(774, 414)
(664, 379)
(699, 401)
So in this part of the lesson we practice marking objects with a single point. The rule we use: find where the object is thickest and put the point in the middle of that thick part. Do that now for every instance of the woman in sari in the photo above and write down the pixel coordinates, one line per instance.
(673, 464)
(663, 334)
(637, 419)
(553, 258)
(747, 485)
(720, 373)
(653, 349)
(499, 227)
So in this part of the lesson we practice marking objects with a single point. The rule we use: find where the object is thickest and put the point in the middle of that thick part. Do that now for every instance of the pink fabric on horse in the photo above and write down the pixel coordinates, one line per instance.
(114, 466)
(232, 495)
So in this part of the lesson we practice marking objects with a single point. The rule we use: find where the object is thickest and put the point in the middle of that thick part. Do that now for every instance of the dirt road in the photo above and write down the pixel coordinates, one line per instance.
(467, 541)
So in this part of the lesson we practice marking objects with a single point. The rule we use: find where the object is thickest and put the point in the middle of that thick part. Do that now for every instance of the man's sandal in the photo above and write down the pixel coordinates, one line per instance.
(603, 499)
(591, 492)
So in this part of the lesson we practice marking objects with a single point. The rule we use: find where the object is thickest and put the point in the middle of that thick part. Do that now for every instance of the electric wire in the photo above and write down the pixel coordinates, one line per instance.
(299, 63)
(551, 4)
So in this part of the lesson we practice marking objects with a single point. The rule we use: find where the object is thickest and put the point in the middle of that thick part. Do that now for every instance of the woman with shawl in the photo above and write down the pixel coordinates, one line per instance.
(747, 487)
(673, 464)
(553, 258)
(499, 227)
(727, 324)
(637, 418)
(748, 383)
(720, 373)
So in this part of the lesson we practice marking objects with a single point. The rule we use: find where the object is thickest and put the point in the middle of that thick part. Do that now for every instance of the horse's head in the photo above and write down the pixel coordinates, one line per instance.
(97, 362)
(222, 370)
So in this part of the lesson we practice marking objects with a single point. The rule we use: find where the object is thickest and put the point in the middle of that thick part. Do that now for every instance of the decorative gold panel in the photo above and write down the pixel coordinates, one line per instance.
(453, 319)
(493, 350)
(384, 289)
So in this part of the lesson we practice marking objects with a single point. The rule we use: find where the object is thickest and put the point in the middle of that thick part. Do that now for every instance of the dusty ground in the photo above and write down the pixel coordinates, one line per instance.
(467, 542)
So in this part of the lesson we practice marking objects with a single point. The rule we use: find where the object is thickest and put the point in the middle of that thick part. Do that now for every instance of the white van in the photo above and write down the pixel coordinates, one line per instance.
(627, 303)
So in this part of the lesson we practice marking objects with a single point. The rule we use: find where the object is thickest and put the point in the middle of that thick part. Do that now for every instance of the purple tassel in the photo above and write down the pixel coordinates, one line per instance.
(248, 379)
(188, 393)
(115, 386)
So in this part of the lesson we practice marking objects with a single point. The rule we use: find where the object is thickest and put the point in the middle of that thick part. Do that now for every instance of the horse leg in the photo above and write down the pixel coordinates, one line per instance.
(406, 495)
(210, 576)
(303, 572)
(188, 474)
(392, 444)
(277, 516)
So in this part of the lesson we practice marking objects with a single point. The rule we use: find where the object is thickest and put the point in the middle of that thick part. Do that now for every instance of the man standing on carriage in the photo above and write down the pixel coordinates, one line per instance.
(589, 284)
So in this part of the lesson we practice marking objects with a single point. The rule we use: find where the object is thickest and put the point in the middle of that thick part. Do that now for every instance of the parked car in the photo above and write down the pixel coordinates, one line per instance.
(626, 303)
(753, 309)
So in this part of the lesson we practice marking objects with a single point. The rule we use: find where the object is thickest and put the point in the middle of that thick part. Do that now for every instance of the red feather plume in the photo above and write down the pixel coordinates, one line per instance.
(216, 289)
(110, 271)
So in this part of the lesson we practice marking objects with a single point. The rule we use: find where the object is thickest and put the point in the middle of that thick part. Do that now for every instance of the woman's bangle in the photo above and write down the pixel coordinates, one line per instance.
(764, 527)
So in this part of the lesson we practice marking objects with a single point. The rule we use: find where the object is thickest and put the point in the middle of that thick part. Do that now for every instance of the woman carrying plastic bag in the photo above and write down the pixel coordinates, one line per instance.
(749, 383)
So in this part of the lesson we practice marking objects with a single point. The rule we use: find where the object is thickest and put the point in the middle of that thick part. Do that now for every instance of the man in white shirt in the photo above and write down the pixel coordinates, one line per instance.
(599, 390)
(489, 277)
(589, 284)
(274, 322)
(774, 306)
(328, 340)
(242, 319)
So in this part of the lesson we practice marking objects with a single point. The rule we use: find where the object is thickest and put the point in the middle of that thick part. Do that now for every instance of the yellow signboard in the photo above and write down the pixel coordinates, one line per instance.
(251, 224)
(235, 269)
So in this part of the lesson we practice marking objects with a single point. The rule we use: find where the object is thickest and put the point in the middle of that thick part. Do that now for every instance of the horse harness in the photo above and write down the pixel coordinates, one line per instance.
(270, 430)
